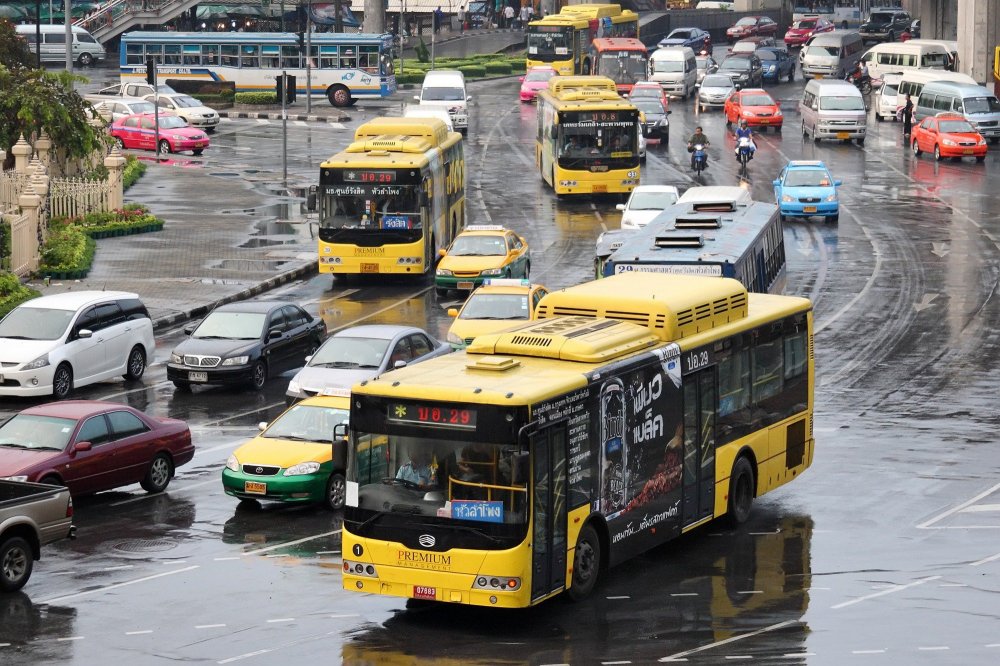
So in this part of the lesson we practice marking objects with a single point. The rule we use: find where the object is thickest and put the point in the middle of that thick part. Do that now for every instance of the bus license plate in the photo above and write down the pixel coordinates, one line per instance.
(600, 188)
(809, 209)
(464, 285)
(197, 376)
(369, 268)
(424, 592)
(255, 488)
(843, 135)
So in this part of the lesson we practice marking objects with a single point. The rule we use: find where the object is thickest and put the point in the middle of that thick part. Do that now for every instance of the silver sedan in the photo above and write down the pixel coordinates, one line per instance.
(714, 90)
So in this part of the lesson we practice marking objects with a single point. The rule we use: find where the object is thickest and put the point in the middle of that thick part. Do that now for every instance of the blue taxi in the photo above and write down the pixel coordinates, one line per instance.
(805, 188)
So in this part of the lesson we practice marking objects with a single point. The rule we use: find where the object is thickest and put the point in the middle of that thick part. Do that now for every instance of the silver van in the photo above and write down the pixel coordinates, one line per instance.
(833, 109)
(977, 103)
(832, 54)
(675, 69)
(86, 49)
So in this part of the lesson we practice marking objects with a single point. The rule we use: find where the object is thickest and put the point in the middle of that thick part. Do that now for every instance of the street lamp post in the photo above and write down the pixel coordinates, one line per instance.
(309, 59)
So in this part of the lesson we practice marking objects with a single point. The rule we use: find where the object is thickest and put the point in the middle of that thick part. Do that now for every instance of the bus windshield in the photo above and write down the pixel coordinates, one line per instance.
(549, 43)
(379, 207)
(624, 66)
(583, 141)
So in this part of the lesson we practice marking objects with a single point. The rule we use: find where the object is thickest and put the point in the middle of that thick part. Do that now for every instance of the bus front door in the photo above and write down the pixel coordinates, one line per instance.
(700, 400)
(548, 507)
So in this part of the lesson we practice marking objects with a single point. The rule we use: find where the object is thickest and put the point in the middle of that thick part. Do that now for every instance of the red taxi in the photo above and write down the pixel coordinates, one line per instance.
(948, 135)
(648, 89)
(803, 29)
(756, 107)
(537, 78)
(139, 131)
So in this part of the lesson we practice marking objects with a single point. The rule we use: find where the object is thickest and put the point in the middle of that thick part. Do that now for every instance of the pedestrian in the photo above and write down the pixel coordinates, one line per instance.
(461, 17)
(525, 16)
(438, 15)
(508, 16)
(907, 116)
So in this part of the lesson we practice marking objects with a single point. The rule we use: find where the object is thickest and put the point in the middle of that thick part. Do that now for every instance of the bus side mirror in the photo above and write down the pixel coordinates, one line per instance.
(339, 432)
(519, 469)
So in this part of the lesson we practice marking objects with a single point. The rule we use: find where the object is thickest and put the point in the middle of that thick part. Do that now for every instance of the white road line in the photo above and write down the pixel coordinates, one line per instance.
(867, 651)
(621, 597)
(116, 586)
(934, 647)
(70, 638)
(750, 592)
(263, 121)
(225, 559)
(773, 627)
(242, 656)
(949, 512)
(336, 125)
(290, 543)
(796, 655)
(328, 552)
(300, 123)
(684, 594)
(985, 560)
(119, 568)
(953, 585)
(4, 644)
(615, 663)
(894, 588)
(174, 562)
(145, 496)
(992, 645)
(137, 633)
(198, 452)
(209, 626)
(281, 619)
(739, 656)
(981, 507)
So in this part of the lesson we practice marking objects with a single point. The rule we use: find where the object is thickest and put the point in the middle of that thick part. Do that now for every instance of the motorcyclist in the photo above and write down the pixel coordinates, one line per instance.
(698, 138)
(744, 131)
(860, 74)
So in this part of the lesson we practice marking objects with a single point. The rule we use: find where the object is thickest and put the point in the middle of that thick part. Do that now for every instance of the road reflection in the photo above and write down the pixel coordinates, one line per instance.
(33, 631)
(255, 526)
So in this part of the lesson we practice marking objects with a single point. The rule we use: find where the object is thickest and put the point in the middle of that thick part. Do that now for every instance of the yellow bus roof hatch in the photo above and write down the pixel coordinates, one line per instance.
(580, 339)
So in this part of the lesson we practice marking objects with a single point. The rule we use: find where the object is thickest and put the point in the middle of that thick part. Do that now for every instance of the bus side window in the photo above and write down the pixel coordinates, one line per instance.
(328, 57)
(172, 54)
(210, 54)
(249, 57)
(368, 57)
(348, 58)
(230, 55)
(270, 56)
(290, 57)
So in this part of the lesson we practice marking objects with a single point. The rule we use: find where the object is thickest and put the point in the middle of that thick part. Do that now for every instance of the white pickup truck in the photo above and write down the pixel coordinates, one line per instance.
(31, 515)
(128, 89)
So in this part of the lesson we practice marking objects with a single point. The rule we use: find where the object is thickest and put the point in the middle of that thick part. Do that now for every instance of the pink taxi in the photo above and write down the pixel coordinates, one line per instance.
(536, 79)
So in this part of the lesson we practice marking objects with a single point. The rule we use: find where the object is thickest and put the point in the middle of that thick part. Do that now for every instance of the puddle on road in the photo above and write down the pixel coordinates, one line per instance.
(250, 265)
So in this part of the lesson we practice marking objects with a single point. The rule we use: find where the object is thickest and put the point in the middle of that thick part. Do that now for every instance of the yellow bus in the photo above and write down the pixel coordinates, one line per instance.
(392, 198)
(637, 408)
(588, 137)
(563, 40)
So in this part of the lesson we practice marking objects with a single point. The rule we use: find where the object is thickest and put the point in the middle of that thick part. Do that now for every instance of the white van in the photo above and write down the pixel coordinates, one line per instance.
(675, 69)
(423, 111)
(833, 109)
(86, 49)
(708, 4)
(950, 45)
(886, 99)
(913, 81)
(832, 53)
(901, 56)
(978, 104)
(445, 89)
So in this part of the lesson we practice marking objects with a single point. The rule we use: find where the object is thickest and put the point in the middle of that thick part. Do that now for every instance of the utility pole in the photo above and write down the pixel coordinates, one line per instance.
(68, 9)
(309, 52)
(374, 17)
(284, 129)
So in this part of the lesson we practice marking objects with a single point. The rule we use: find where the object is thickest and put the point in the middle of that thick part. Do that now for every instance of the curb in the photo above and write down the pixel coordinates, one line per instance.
(268, 115)
(249, 292)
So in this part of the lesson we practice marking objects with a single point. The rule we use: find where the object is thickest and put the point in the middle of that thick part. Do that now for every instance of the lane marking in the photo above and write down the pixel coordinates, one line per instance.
(620, 597)
(291, 543)
(739, 656)
(934, 647)
(338, 617)
(991, 558)
(750, 592)
(891, 590)
(281, 619)
(70, 638)
(981, 507)
(226, 559)
(615, 663)
(796, 655)
(960, 507)
(137, 633)
(773, 627)
(119, 568)
(684, 594)
(243, 656)
(867, 651)
(209, 626)
(116, 585)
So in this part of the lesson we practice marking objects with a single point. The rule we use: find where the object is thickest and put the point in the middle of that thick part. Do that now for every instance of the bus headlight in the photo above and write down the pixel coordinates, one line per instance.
(443, 272)
(302, 468)
(503, 583)
(360, 569)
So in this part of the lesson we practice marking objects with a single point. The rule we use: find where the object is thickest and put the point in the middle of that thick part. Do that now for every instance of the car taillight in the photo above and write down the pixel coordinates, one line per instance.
(69, 508)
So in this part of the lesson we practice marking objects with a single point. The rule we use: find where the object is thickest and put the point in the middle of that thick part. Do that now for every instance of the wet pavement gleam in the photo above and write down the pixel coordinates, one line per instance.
(885, 552)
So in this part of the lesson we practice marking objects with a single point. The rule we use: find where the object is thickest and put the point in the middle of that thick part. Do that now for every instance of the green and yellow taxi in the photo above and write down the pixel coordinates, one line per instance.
(481, 252)
(294, 458)
(496, 306)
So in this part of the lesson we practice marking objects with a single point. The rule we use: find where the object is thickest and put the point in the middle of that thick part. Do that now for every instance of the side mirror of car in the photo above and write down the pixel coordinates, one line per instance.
(776, 182)
(416, 98)
(262, 425)
(274, 334)
(188, 330)
(84, 333)
(521, 79)
(399, 364)
(82, 446)
(309, 358)
(442, 252)
(468, 98)
(620, 206)
(669, 112)
(697, 85)
(837, 183)
(453, 312)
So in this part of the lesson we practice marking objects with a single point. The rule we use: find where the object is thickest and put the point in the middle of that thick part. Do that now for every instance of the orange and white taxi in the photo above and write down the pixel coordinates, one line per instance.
(756, 107)
(494, 307)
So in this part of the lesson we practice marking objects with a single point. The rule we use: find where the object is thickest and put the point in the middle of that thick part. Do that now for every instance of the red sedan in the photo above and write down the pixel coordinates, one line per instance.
(139, 131)
(89, 446)
(749, 26)
(803, 29)
(948, 135)
(756, 107)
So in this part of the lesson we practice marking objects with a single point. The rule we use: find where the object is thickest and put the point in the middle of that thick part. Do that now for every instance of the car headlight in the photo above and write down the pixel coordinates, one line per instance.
(443, 272)
(981, 142)
(236, 360)
(454, 339)
(39, 362)
(777, 112)
(20, 477)
(787, 199)
(233, 463)
(302, 468)
(948, 142)
(771, 68)
(176, 358)
(178, 137)
(748, 114)
(293, 387)
(832, 197)
(492, 271)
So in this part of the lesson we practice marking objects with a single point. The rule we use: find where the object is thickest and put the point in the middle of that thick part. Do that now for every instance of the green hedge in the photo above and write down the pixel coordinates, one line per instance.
(13, 293)
(473, 71)
(256, 98)
(125, 221)
(67, 254)
(498, 68)
(4, 245)
(134, 169)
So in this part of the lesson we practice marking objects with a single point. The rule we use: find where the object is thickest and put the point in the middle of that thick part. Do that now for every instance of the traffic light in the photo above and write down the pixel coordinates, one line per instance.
(302, 41)
(151, 71)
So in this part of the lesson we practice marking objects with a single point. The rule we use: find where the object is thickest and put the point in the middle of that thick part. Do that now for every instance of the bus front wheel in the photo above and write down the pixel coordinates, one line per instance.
(339, 96)
(741, 491)
(586, 564)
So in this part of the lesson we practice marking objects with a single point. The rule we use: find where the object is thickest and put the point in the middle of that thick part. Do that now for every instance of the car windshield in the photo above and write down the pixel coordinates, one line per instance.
(28, 323)
(186, 102)
(736, 64)
(142, 107)
(539, 75)
(649, 106)
(442, 94)
(308, 423)
(805, 24)
(890, 88)
(956, 126)
(757, 100)
(668, 65)
(747, 21)
(807, 178)
(231, 326)
(32, 431)
(880, 18)
(342, 351)
(647, 91)
(172, 122)
(478, 246)
(717, 82)
(651, 200)
(981, 105)
(679, 34)
(842, 103)
(496, 306)
(816, 50)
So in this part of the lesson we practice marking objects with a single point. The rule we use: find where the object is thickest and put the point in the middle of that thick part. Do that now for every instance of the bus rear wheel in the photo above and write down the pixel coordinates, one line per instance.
(339, 96)
(586, 564)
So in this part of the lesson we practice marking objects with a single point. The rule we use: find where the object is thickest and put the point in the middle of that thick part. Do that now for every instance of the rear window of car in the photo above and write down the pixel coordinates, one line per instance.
(133, 309)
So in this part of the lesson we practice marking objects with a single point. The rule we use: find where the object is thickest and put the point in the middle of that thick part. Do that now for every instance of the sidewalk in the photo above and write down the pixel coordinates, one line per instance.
(221, 242)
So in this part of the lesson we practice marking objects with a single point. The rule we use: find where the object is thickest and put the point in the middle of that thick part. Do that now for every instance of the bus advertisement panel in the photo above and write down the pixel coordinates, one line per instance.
(343, 67)
(563, 40)
(520, 468)
(391, 198)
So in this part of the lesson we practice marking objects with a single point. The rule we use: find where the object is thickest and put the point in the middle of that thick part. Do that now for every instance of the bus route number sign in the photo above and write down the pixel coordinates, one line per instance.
(431, 415)
(380, 177)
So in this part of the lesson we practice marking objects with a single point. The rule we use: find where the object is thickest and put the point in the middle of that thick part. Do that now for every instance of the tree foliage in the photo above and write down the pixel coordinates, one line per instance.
(14, 51)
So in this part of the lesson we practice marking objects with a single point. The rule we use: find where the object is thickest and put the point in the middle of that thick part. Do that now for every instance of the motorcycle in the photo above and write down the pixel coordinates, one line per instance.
(863, 82)
(744, 152)
(699, 158)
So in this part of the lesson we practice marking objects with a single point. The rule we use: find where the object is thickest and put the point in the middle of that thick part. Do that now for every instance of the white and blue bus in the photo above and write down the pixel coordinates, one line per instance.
(842, 13)
(345, 66)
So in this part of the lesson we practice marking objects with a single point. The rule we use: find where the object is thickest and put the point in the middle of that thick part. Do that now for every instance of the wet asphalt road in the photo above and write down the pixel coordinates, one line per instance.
(886, 552)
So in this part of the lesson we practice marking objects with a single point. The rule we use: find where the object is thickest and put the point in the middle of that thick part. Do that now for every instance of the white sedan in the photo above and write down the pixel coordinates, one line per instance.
(645, 203)
(194, 112)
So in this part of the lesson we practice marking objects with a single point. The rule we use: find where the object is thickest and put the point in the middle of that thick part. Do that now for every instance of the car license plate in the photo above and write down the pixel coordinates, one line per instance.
(197, 376)
(255, 487)
(369, 268)
(765, 121)
(817, 76)
(600, 188)
(843, 135)
(968, 151)
(464, 285)
(809, 209)
(424, 592)
(199, 145)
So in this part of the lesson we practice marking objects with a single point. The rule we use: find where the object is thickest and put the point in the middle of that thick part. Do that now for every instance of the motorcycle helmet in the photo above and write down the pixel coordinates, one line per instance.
(743, 122)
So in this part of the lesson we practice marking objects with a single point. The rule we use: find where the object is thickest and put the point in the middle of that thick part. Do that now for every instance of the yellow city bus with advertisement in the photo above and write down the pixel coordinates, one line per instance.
(563, 40)
(588, 137)
(638, 408)
(392, 198)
